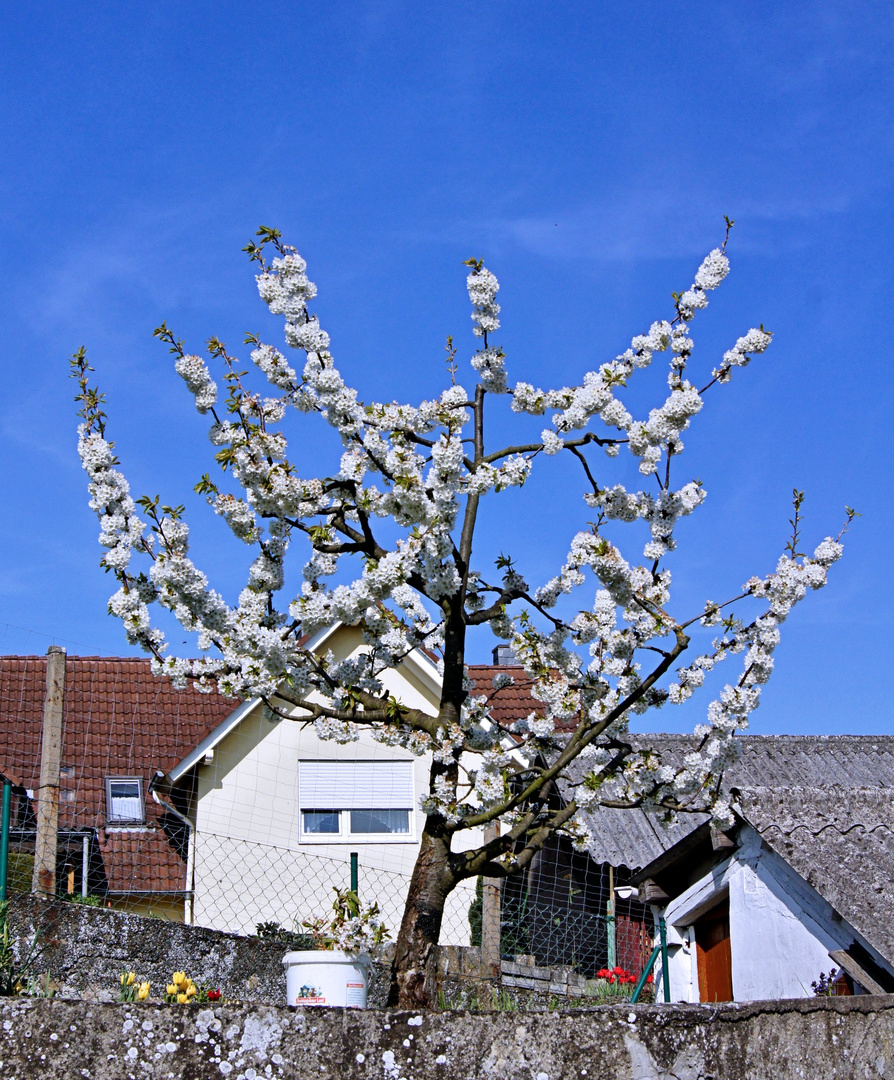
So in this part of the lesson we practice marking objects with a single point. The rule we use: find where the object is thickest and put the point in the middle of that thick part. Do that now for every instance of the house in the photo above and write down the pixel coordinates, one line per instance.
(277, 811)
(196, 807)
(800, 884)
(120, 723)
(193, 807)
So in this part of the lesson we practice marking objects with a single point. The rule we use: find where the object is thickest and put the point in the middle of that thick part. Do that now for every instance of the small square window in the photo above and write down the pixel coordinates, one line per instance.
(124, 800)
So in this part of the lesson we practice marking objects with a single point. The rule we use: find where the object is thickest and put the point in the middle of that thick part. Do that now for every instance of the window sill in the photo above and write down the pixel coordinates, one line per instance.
(359, 838)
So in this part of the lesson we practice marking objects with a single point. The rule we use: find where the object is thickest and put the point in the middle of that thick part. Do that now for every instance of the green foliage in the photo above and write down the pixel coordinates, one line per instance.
(19, 872)
(85, 901)
(277, 934)
(476, 914)
(482, 997)
(16, 969)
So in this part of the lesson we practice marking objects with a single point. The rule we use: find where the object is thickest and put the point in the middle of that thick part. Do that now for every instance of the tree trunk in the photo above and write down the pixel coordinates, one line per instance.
(414, 969)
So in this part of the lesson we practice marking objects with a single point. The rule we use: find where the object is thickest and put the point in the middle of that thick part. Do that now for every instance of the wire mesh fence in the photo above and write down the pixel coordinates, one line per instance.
(240, 885)
(256, 827)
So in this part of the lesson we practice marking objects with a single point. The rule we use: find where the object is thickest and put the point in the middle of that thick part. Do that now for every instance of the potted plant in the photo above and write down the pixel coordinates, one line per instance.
(336, 971)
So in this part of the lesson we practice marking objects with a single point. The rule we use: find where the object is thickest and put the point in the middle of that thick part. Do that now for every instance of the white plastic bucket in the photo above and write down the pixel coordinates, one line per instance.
(336, 979)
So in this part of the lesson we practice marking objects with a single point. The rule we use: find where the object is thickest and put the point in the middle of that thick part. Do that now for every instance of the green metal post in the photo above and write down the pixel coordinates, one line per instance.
(665, 970)
(355, 884)
(610, 936)
(4, 838)
(641, 982)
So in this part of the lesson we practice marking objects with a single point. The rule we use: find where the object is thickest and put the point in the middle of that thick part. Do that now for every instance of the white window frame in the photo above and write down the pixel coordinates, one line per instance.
(114, 821)
(344, 834)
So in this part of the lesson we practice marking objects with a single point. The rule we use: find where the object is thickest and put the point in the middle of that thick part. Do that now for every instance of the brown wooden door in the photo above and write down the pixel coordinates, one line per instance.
(715, 961)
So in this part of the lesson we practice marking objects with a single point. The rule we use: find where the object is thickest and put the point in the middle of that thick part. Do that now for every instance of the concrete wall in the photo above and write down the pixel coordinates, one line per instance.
(248, 821)
(781, 930)
(820, 1039)
(84, 950)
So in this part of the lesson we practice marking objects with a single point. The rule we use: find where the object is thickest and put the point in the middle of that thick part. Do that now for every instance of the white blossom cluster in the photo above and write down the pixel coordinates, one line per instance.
(194, 372)
(414, 467)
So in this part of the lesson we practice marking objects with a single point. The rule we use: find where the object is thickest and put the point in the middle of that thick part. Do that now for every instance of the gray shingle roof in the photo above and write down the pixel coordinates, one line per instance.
(634, 838)
(841, 841)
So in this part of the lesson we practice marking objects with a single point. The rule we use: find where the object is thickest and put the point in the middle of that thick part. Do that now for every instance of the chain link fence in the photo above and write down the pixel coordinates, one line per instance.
(240, 885)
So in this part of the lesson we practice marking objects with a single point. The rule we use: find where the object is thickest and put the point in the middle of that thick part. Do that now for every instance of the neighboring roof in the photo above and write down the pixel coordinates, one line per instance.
(634, 838)
(118, 720)
(128, 855)
(510, 703)
(841, 842)
(420, 661)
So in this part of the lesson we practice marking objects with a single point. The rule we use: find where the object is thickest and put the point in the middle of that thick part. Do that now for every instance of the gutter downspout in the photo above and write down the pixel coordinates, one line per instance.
(190, 854)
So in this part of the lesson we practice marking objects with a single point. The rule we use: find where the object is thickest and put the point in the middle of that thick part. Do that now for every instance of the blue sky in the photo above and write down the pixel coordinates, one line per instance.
(587, 151)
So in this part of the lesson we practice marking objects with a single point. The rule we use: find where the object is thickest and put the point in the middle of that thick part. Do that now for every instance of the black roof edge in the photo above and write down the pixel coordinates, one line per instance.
(679, 851)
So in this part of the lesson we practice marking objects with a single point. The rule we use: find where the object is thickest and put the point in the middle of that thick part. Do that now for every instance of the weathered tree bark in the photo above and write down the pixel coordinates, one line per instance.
(414, 969)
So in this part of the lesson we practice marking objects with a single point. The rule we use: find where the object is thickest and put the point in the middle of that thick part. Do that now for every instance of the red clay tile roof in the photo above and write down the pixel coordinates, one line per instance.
(118, 720)
(127, 855)
(512, 702)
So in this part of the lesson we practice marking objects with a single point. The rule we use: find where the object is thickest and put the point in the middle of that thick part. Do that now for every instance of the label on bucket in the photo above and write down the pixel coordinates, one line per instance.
(310, 995)
(355, 995)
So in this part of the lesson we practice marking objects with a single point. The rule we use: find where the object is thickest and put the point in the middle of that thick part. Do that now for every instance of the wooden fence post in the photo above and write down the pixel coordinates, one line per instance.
(44, 880)
(490, 915)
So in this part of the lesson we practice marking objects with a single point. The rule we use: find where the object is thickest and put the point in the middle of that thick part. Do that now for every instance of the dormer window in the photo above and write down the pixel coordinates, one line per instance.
(124, 800)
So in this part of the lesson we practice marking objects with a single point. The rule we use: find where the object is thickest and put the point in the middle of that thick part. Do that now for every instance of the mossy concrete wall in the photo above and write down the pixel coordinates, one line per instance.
(85, 949)
(822, 1039)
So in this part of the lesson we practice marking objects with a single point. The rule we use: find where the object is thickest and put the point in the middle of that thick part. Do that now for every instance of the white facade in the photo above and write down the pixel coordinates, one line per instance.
(255, 860)
(781, 929)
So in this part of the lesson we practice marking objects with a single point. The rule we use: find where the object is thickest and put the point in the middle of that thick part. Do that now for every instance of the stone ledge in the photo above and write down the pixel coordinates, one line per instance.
(823, 1039)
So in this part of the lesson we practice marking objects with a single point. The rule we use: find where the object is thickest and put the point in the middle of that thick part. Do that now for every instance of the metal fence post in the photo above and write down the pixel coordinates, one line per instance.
(355, 875)
(4, 839)
(665, 970)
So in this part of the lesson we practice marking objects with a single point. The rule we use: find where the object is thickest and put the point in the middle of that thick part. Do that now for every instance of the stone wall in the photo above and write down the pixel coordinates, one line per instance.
(85, 949)
(819, 1039)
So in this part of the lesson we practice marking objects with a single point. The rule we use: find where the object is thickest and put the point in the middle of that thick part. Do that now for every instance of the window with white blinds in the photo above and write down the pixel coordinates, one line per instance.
(355, 798)
(124, 800)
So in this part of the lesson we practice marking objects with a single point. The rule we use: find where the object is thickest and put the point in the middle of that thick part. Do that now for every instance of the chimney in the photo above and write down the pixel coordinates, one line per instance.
(504, 656)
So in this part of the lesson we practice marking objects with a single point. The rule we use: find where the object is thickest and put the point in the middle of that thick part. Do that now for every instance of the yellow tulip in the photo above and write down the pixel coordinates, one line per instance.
(191, 990)
(171, 989)
(179, 977)
(131, 978)
(143, 992)
(182, 999)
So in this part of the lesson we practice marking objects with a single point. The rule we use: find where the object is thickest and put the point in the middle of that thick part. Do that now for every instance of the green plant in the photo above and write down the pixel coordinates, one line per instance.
(483, 997)
(182, 990)
(476, 910)
(15, 970)
(20, 871)
(276, 933)
(42, 986)
(352, 927)
(85, 901)
(132, 988)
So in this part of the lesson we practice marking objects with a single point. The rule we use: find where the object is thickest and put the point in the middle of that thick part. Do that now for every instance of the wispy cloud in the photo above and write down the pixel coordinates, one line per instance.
(652, 223)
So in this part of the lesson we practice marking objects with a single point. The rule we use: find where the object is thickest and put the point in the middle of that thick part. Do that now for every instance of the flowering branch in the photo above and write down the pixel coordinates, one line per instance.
(424, 469)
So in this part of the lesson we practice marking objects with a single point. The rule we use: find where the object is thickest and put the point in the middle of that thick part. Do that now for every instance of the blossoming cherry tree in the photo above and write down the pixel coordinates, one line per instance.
(424, 469)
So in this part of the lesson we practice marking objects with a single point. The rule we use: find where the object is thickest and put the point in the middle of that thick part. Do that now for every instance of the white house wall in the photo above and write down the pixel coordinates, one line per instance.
(781, 930)
(252, 864)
